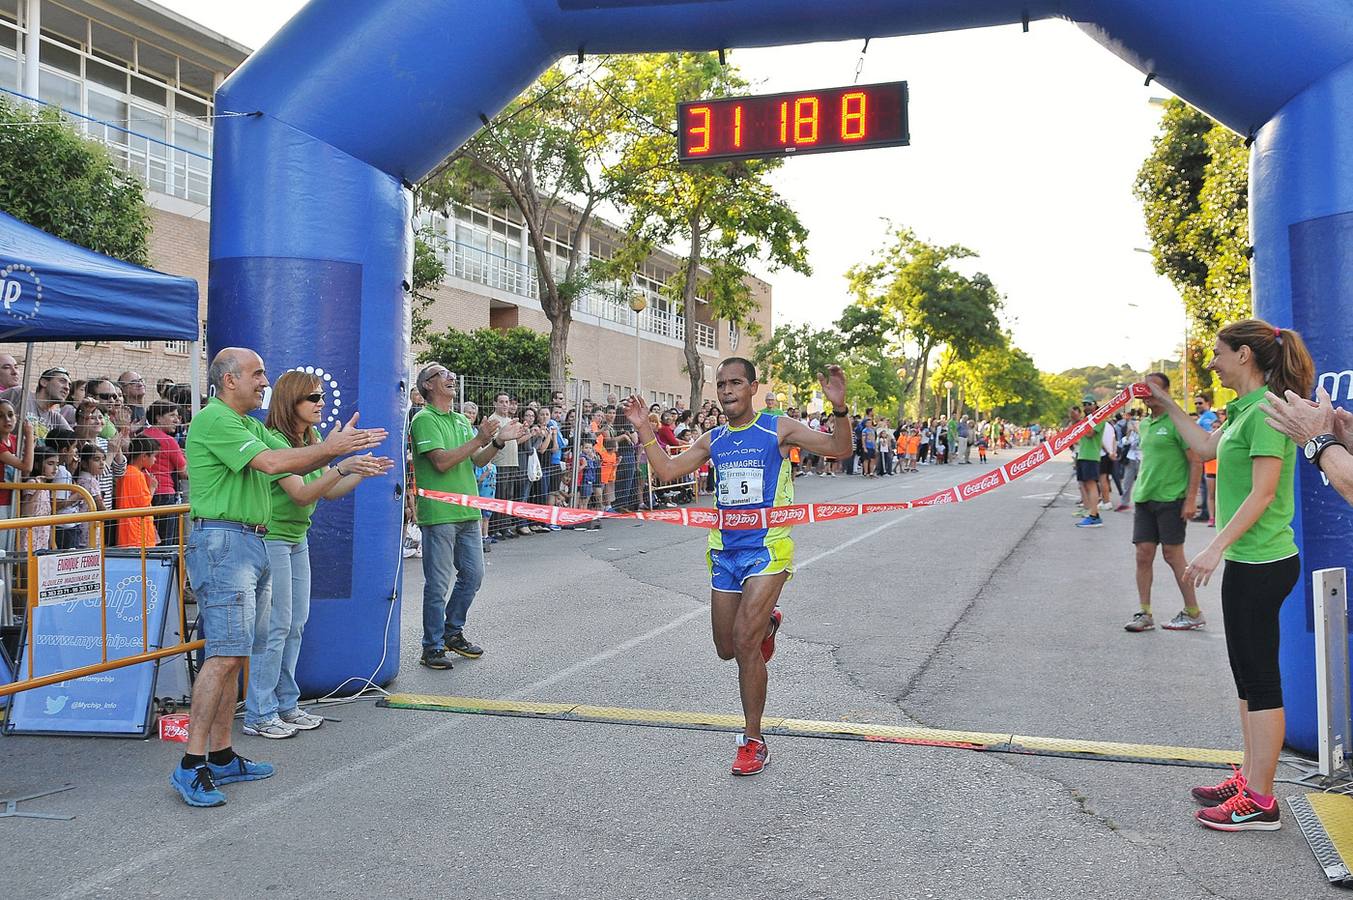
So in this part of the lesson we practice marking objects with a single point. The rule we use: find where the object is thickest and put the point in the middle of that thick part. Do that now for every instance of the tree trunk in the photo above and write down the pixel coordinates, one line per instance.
(920, 393)
(695, 365)
(559, 326)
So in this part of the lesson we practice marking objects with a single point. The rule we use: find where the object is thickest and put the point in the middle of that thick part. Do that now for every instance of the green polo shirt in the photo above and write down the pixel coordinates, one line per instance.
(1164, 474)
(1091, 446)
(433, 429)
(221, 442)
(288, 521)
(1246, 436)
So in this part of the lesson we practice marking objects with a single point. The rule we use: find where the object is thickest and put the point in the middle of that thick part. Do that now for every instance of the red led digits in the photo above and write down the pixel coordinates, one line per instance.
(702, 131)
(806, 120)
(854, 108)
(841, 118)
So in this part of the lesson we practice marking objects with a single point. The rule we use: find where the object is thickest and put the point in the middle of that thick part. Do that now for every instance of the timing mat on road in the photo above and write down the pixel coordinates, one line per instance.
(1103, 751)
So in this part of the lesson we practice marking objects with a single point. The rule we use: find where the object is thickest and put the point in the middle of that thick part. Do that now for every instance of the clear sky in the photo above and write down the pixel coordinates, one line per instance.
(1024, 149)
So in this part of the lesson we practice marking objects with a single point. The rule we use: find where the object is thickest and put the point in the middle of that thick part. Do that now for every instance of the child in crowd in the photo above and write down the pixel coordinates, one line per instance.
(134, 490)
(589, 474)
(62, 441)
(38, 502)
(487, 477)
(87, 476)
(982, 448)
(610, 456)
(10, 460)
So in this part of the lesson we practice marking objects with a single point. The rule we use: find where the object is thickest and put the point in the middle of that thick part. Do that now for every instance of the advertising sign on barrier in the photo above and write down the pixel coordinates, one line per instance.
(73, 576)
(69, 634)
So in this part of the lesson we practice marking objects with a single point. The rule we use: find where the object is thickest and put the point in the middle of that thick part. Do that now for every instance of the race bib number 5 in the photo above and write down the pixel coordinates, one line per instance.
(740, 486)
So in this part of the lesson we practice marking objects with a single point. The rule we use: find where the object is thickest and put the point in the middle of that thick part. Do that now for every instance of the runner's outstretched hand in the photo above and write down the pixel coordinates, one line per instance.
(833, 383)
(635, 411)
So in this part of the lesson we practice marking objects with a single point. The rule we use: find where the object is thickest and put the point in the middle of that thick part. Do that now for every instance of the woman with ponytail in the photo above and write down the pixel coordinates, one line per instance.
(1255, 546)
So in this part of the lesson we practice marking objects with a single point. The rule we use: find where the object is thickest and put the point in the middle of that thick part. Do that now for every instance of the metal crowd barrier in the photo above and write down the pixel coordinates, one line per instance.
(29, 589)
(692, 483)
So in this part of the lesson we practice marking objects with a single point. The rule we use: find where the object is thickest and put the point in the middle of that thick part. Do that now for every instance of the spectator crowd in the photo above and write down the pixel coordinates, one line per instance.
(100, 433)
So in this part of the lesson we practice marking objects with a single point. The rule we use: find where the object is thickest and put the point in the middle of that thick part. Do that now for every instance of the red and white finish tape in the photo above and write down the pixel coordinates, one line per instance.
(807, 513)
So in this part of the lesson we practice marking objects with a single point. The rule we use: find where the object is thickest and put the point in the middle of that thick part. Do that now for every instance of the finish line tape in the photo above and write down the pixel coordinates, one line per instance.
(806, 513)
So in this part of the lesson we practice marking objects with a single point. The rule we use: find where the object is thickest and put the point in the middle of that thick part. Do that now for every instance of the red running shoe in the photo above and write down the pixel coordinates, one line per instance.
(1240, 813)
(768, 645)
(1220, 793)
(753, 756)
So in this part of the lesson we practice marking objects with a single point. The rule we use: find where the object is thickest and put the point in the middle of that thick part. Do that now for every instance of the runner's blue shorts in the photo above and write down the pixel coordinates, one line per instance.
(728, 569)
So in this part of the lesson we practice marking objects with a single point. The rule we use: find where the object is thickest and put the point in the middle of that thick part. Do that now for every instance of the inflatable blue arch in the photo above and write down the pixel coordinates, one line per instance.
(353, 100)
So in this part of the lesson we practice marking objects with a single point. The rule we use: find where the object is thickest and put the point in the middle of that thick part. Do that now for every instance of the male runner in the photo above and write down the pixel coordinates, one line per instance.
(748, 567)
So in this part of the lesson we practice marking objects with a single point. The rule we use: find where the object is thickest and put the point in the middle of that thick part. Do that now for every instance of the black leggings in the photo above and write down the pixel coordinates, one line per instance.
(1251, 595)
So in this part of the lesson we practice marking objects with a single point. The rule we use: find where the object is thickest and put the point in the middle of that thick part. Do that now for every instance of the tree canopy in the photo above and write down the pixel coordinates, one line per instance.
(517, 354)
(1194, 189)
(56, 180)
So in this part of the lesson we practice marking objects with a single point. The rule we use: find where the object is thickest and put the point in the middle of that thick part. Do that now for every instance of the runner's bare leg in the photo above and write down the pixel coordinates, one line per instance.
(741, 622)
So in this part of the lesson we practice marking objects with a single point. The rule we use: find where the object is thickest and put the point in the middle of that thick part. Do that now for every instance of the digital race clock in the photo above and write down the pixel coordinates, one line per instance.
(844, 118)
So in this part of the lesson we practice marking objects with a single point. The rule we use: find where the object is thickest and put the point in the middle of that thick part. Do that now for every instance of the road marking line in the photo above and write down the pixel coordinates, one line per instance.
(900, 734)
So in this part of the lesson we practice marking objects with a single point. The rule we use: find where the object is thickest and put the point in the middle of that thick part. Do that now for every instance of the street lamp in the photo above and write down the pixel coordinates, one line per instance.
(949, 401)
(638, 303)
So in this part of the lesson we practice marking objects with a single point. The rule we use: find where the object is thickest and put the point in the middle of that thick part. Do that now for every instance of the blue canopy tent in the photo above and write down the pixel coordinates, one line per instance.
(52, 290)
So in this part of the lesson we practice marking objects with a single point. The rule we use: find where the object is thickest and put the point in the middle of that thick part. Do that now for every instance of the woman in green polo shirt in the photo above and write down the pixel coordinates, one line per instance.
(1254, 542)
(271, 707)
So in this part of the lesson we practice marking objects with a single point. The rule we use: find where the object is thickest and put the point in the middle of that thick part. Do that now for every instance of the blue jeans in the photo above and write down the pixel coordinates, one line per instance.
(231, 578)
(453, 547)
(277, 634)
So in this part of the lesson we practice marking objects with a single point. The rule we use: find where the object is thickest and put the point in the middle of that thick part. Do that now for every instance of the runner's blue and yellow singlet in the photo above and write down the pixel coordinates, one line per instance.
(749, 473)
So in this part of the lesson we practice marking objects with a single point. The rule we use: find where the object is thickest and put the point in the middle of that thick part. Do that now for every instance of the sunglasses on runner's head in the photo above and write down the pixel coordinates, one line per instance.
(314, 398)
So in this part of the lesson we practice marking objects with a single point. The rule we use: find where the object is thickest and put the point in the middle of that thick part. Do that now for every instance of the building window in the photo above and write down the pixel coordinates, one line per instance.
(734, 335)
(180, 348)
(137, 345)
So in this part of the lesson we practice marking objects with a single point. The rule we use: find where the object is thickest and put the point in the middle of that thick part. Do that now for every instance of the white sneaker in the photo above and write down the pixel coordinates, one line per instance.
(274, 729)
(410, 552)
(301, 720)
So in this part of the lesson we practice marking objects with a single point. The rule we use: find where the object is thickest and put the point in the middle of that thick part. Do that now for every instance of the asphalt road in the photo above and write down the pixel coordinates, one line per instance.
(994, 615)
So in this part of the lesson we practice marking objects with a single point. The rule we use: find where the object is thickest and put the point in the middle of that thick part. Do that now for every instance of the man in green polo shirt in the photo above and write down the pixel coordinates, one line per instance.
(229, 464)
(446, 449)
(1164, 499)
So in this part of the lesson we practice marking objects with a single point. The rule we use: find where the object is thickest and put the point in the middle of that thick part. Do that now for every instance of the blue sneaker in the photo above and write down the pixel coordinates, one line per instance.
(240, 769)
(196, 786)
(1090, 522)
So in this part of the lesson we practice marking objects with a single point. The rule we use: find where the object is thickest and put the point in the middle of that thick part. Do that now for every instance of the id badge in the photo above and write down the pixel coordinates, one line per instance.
(740, 486)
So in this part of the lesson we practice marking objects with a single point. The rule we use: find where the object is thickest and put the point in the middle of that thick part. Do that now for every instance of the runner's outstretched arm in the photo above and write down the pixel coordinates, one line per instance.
(837, 444)
(666, 468)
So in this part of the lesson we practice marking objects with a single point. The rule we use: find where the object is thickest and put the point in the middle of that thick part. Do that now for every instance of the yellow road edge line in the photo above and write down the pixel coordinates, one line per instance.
(1137, 751)
(1335, 812)
(987, 740)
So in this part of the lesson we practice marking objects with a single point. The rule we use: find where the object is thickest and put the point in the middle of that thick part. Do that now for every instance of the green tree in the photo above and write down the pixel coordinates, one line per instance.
(53, 179)
(1194, 190)
(723, 215)
(555, 154)
(926, 304)
(1002, 381)
(794, 355)
(428, 271)
(517, 354)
